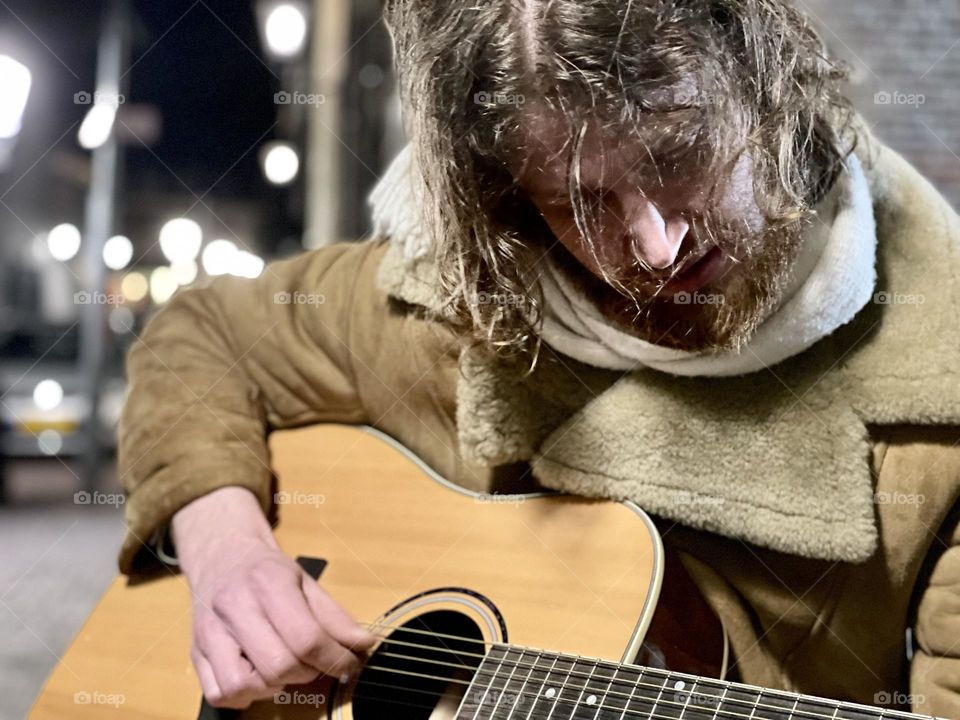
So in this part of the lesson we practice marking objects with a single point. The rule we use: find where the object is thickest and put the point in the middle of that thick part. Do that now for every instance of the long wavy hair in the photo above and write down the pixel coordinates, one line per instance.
(761, 78)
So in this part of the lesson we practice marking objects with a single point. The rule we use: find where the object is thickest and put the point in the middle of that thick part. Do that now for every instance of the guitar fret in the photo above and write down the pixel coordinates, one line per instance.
(849, 711)
(544, 689)
(809, 708)
(685, 694)
(672, 700)
(607, 698)
(479, 688)
(490, 687)
(647, 691)
(723, 696)
(753, 710)
(563, 688)
(656, 701)
(774, 706)
(570, 691)
(796, 704)
(740, 698)
(705, 700)
(617, 696)
(587, 699)
(503, 692)
(521, 694)
(599, 692)
(519, 683)
(555, 692)
(580, 695)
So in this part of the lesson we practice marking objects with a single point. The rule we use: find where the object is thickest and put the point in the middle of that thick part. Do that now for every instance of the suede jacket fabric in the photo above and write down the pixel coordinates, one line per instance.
(812, 501)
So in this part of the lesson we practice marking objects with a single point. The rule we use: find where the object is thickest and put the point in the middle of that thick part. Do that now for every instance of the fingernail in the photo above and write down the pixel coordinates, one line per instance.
(344, 679)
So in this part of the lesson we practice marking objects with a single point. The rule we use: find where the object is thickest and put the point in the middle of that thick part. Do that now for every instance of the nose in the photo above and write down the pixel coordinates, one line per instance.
(656, 239)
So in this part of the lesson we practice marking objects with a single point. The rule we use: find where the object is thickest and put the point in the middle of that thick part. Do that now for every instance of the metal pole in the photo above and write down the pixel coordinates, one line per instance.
(112, 59)
(328, 67)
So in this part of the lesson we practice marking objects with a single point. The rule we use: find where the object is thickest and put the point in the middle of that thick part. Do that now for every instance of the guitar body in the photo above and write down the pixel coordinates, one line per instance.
(436, 568)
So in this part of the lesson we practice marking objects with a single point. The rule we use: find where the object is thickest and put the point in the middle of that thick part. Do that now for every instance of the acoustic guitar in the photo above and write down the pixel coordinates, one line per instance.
(488, 607)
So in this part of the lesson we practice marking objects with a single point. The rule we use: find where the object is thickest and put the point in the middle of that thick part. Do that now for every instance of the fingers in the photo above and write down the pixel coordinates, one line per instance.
(348, 643)
(208, 681)
(302, 631)
(227, 678)
(265, 624)
(341, 627)
(241, 611)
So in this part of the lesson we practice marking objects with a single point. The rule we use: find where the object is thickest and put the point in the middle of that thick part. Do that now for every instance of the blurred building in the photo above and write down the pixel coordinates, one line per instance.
(906, 75)
(243, 132)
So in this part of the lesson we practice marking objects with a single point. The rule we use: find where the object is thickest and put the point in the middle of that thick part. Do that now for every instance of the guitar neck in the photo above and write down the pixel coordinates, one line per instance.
(520, 683)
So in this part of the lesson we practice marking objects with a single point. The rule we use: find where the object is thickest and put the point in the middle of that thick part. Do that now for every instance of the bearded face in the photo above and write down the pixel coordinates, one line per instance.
(534, 128)
(667, 252)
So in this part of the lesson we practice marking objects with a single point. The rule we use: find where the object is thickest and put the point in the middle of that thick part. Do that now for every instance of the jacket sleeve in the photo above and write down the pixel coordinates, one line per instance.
(935, 668)
(218, 367)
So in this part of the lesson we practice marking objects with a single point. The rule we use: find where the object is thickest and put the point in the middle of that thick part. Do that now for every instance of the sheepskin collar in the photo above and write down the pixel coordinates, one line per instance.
(779, 458)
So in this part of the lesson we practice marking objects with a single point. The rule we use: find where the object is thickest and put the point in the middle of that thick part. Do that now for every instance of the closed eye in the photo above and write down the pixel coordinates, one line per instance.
(555, 201)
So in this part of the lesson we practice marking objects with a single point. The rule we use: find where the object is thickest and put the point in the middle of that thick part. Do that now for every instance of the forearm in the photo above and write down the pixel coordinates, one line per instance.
(218, 368)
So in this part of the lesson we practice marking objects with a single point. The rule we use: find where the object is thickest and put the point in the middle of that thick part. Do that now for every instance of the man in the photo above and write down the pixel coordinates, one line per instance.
(636, 249)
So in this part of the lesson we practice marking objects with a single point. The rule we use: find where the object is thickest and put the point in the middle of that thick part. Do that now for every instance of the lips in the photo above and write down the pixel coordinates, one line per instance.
(699, 274)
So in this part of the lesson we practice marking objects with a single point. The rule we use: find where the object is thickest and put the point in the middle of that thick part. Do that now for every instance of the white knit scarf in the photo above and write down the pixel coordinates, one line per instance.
(832, 279)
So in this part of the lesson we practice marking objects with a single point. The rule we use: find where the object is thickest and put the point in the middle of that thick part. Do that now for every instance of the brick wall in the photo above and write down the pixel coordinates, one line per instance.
(905, 58)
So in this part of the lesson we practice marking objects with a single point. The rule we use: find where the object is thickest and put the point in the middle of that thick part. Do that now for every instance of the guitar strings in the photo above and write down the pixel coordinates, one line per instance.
(505, 663)
(630, 697)
(583, 690)
(432, 693)
(515, 664)
(559, 699)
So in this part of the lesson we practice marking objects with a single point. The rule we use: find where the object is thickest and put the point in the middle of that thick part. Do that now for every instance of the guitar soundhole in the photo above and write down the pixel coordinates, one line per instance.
(421, 669)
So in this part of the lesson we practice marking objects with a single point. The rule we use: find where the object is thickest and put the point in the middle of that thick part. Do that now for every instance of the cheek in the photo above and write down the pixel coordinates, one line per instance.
(565, 229)
(738, 201)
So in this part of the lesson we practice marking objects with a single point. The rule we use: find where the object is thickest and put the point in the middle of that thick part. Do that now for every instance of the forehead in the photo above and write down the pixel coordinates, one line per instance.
(672, 110)
(547, 142)
(549, 150)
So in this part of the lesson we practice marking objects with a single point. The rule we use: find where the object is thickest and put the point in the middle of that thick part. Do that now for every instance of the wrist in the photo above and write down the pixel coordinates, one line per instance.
(225, 520)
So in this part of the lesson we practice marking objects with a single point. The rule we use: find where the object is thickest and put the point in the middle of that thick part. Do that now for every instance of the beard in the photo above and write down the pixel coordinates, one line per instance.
(721, 316)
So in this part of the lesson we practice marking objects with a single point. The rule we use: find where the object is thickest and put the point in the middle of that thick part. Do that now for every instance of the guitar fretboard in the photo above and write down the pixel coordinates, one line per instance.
(514, 683)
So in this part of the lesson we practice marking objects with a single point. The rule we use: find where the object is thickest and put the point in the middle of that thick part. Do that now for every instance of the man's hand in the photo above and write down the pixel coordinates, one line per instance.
(259, 621)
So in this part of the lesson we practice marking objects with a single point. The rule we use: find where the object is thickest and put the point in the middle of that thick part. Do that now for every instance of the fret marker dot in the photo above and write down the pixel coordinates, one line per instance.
(592, 700)
(550, 692)
(679, 685)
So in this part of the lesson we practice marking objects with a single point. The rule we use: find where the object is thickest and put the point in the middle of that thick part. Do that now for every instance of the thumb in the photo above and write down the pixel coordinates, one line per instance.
(335, 620)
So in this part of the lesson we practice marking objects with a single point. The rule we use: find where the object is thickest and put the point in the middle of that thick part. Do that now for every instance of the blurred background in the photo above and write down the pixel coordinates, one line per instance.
(149, 146)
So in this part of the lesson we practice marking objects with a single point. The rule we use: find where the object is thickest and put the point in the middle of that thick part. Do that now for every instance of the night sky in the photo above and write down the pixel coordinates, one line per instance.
(197, 61)
(215, 94)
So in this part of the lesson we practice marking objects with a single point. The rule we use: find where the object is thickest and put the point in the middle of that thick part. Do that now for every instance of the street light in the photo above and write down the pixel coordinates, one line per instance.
(48, 394)
(180, 240)
(281, 162)
(134, 287)
(15, 81)
(218, 256)
(97, 125)
(284, 28)
(117, 252)
(184, 272)
(246, 265)
(63, 241)
(162, 284)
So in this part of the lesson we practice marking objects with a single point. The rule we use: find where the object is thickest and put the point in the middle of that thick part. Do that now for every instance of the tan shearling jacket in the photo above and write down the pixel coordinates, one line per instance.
(814, 503)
